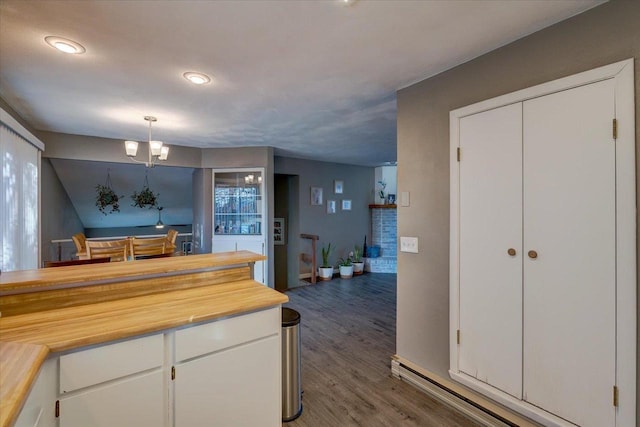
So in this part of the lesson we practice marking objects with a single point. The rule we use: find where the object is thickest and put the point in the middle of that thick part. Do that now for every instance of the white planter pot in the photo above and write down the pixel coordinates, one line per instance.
(346, 272)
(358, 268)
(325, 273)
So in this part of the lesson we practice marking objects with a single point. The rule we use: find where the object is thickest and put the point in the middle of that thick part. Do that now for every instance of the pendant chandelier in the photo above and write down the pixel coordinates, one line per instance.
(157, 150)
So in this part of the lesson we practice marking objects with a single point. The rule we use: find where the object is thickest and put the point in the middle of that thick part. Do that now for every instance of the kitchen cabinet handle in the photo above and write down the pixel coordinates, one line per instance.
(533, 254)
(511, 252)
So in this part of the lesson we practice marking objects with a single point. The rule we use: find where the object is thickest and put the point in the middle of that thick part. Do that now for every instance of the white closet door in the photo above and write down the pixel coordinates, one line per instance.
(569, 220)
(490, 224)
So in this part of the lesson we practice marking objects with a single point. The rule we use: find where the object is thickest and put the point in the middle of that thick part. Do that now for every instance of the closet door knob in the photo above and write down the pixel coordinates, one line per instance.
(511, 252)
(533, 254)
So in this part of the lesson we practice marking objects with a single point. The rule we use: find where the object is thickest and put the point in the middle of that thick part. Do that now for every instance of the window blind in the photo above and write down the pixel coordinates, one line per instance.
(19, 202)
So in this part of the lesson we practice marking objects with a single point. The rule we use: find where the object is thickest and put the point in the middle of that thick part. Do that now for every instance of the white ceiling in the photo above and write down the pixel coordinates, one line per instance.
(315, 79)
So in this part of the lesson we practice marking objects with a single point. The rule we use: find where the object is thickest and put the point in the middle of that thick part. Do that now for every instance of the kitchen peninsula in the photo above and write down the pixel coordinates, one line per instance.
(182, 341)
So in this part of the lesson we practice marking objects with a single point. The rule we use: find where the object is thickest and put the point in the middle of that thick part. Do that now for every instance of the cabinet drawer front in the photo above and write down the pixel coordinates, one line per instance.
(97, 365)
(133, 402)
(210, 337)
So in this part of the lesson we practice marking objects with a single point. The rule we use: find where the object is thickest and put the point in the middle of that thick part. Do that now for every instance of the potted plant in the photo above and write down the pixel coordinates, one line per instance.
(346, 268)
(381, 194)
(325, 271)
(358, 264)
(106, 198)
(145, 198)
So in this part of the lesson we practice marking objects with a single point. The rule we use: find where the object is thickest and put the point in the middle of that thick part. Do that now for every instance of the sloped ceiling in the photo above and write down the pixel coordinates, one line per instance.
(173, 184)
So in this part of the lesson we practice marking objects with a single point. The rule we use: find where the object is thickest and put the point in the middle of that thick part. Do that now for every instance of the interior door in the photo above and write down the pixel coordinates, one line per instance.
(569, 221)
(490, 256)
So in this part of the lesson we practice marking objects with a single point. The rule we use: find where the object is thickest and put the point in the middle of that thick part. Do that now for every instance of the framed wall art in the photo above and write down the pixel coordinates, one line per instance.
(338, 187)
(331, 206)
(316, 196)
(278, 231)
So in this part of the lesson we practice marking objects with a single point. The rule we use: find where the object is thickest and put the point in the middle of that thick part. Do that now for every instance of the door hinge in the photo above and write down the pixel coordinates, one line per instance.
(173, 373)
(458, 336)
(458, 154)
(57, 409)
(615, 128)
(615, 396)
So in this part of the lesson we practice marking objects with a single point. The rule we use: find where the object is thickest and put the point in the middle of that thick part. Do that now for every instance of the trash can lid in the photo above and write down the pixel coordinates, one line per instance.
(290, 317)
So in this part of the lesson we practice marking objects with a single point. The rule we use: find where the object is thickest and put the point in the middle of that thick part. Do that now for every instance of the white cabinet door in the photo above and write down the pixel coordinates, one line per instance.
(235, 387)
(133, 402)
(39, 408)
(490, 225)
(256, 246)
(223, 244)
(570, 221)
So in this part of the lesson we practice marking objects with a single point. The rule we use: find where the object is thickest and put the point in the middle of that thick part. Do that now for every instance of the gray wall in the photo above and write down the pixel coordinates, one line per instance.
(601, 36)
(58, 218)
(344, 229)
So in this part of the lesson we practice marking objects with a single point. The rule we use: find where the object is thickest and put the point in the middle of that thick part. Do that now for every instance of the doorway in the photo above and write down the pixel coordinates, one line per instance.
(286, 219)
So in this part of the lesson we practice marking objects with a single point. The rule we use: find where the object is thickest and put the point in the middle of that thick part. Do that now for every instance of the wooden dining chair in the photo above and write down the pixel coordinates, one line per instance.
(149, 246)
(116, 250)
(80, 240)
(171, 240)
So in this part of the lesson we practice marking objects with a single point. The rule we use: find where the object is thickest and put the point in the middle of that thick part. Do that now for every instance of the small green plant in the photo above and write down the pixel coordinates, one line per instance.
(326, 251)
(345, 262)
(145, 198)
(107, 197)
(357, 254)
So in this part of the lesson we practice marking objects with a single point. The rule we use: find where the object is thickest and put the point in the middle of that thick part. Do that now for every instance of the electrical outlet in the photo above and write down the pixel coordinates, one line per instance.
(409, 244)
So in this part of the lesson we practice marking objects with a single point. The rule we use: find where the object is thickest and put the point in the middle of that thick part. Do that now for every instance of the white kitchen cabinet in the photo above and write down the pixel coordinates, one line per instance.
(235, 387)
(132, 402)
(239, 214)
(228, 373)
(115, 384)
(537, 231)
(39, 408)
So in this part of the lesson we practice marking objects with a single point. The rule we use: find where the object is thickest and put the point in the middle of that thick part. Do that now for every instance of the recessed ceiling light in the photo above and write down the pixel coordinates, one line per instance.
(197, 78)
(64, 45)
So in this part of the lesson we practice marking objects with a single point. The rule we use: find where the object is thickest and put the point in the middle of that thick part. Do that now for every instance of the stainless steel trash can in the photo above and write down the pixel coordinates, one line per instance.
(291, 385)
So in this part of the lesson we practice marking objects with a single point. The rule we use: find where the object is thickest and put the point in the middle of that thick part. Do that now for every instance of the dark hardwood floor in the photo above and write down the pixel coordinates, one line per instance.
(348, 337)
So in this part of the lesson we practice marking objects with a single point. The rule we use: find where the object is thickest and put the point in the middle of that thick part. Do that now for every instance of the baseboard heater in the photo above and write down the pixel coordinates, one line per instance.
(450, 397)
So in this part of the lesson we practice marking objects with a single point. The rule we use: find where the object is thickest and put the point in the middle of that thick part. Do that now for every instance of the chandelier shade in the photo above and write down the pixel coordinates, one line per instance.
(157, 150)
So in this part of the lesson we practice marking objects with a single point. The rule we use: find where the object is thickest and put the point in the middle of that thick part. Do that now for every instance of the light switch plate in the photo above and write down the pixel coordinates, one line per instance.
(404, 198)
(409, 244)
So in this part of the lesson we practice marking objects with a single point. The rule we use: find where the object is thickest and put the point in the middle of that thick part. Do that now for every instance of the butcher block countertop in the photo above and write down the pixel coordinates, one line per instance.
(51, 278)
(27, 339)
